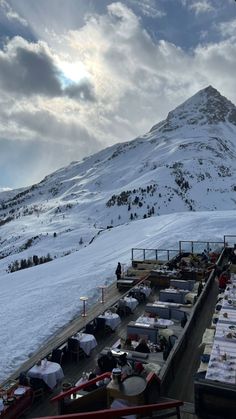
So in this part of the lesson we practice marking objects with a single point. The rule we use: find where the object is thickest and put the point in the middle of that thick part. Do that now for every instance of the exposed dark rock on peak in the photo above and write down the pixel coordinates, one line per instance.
(206, 107)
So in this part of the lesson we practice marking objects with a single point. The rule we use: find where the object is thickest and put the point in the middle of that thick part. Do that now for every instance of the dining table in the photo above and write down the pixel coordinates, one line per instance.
(112, 320)
(173, 295)
(50, 372)
(155, 322)
(132, 389)
(87, 342)
(131, 302)
(222, 363)
(144, 289)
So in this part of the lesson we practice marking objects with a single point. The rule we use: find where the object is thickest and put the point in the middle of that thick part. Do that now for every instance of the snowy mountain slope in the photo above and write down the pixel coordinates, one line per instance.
(185, 163)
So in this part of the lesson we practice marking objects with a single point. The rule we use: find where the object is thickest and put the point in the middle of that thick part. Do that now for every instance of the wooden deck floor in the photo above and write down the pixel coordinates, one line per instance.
(182, 385)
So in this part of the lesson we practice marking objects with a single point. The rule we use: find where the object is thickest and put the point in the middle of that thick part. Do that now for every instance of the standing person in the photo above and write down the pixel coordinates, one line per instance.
(118, 271)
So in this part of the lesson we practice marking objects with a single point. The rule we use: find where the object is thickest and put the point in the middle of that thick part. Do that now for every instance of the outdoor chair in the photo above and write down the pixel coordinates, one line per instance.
(74, 349)
(56, 356)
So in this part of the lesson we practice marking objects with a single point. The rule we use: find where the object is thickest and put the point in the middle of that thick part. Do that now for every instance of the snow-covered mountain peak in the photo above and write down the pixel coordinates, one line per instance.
(206, 107)
(190, 168)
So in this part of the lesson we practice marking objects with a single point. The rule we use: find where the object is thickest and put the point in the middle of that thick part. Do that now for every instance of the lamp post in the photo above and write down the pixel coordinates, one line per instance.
(102, 287)
(84, 299)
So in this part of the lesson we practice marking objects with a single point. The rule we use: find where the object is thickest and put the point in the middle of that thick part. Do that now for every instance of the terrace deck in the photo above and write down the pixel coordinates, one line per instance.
(181, 386)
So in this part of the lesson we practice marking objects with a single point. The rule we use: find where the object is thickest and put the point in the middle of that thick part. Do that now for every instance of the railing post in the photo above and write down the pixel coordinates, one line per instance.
(180, 248)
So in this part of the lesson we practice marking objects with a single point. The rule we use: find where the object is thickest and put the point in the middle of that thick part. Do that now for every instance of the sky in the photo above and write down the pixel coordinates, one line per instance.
(31, 300)
(79, 75)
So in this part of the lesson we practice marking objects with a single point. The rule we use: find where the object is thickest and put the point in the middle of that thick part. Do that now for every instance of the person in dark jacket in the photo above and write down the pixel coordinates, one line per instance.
(118, 271)
(107, 362)
(142, 347)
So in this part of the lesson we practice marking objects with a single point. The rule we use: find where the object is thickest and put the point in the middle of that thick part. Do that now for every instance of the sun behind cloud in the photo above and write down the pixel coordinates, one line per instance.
(72, 71)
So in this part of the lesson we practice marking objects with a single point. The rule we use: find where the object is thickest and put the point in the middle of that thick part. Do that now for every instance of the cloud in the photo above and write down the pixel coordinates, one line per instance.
(148, 8)
(228, 29)
(199, 6)
(202, 6)
(11, 14)
(29, 69)
(128, 84)
(83, 91)
(5, 189)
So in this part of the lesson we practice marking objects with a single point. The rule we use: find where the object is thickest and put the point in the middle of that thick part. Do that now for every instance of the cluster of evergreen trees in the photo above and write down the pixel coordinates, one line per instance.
(127, 197)
(28, 263)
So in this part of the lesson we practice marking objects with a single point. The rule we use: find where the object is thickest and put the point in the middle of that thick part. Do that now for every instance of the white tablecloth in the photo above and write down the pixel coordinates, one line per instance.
(87, 342)
(112, 320)
(131, 303)
(145, 290)
(164, 322)
(154, 322)
(145, 320)
(222, 363)
(51, 374)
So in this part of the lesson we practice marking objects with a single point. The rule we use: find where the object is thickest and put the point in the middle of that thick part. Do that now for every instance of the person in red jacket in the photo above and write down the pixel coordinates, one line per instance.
(224, 279)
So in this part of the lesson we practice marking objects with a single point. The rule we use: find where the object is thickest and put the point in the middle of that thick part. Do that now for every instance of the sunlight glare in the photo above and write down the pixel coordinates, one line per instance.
(73, 71)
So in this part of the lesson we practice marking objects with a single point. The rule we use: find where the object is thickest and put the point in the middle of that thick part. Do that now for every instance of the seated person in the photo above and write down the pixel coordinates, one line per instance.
(194, 261)
(128, 344)
(142, 347)
(204, 256)
(224, 279)
(139, 369)
(125, 366)
(107, 362)
(213, 257)
(182, 264)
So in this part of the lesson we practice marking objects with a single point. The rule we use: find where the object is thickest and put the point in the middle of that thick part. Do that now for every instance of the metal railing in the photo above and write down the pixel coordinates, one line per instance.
(229, 240)
(146, 410)
(117, 413)
(192, 246)
(153, 254)
(185, 246)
